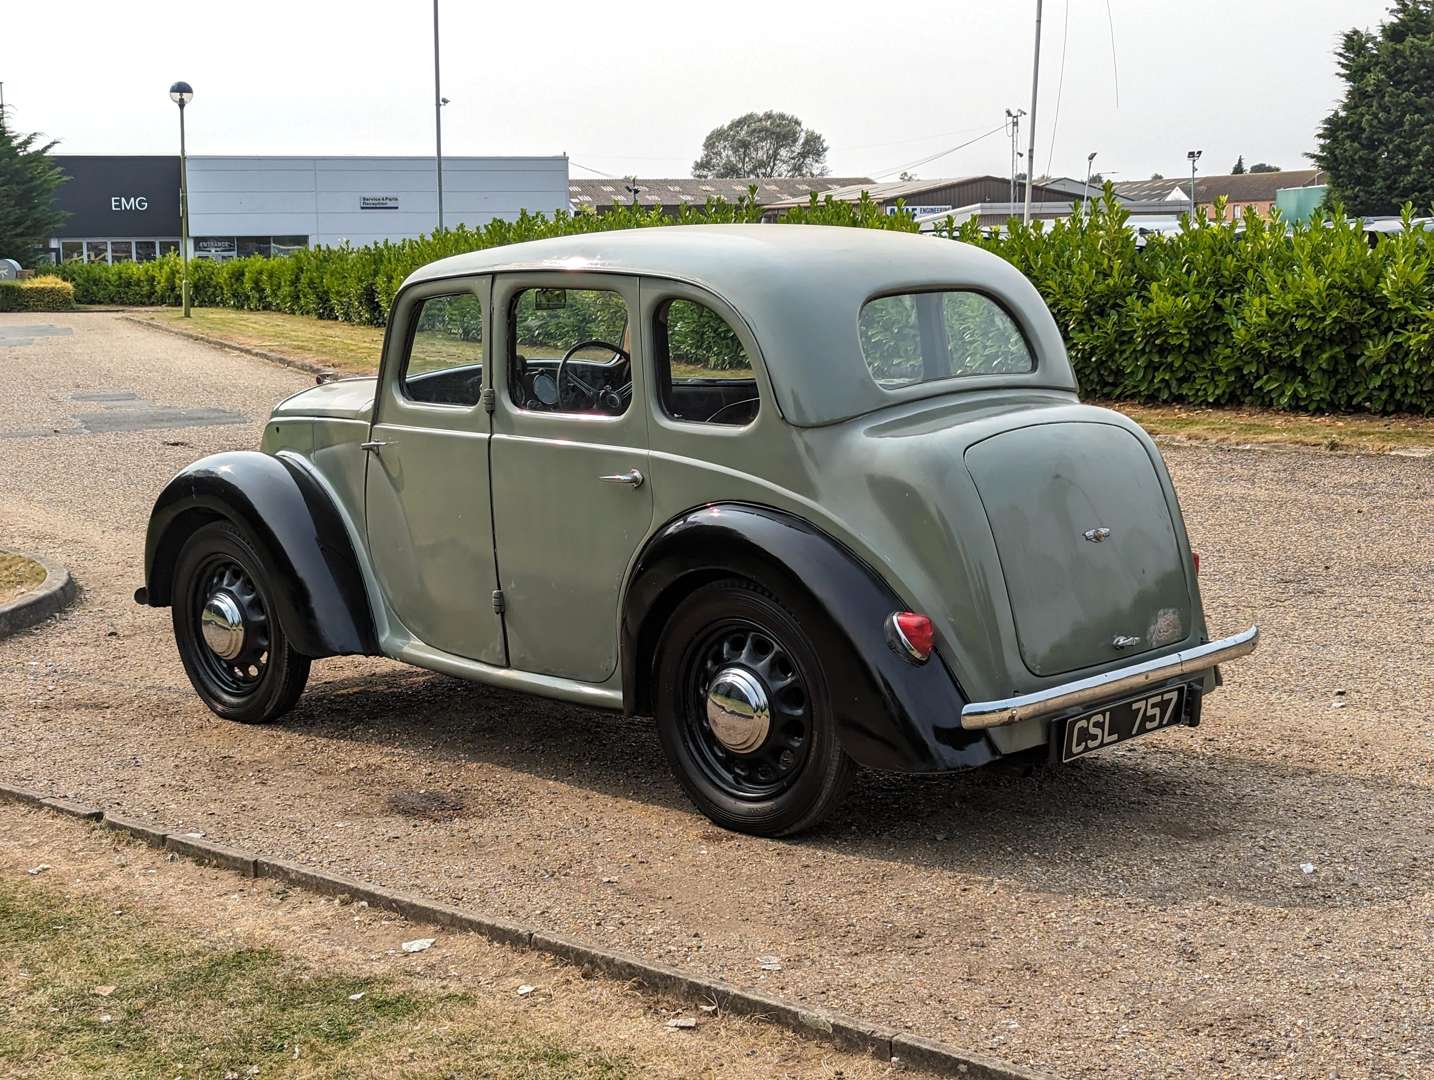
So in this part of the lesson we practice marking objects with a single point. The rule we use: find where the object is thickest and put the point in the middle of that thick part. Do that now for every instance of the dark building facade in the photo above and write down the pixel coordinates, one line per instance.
(120, 209)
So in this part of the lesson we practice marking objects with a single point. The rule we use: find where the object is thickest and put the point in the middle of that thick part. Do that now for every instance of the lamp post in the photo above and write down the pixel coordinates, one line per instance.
(181, 93)
(1193, 156)
(438, 102)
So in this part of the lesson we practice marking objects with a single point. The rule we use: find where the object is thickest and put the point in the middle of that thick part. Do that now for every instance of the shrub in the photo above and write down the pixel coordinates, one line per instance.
(46, 293)
(1223, 312)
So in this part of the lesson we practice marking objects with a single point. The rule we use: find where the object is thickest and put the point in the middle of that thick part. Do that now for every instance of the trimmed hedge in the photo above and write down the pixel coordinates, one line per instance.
(1222, 313)
(46, 293)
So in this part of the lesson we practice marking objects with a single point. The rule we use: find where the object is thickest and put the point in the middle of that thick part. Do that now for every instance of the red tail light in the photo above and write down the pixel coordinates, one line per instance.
(911, 635)
(1196, 556)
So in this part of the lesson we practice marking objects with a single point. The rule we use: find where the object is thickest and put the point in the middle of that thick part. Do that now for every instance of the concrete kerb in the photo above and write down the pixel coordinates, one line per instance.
(50, 597)
(843, 1031)
(219, 343)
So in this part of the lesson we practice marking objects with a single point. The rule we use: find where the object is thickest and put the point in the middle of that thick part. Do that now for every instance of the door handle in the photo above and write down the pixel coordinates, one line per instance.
(632, 478)
(372, 447)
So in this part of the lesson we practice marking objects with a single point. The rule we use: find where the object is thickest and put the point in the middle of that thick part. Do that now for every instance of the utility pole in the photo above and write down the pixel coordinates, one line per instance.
(1035, 87)
(438, 102)
(1013, 129)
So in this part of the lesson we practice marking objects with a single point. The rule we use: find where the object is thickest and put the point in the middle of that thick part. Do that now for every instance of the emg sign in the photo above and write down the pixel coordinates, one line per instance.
(129, 202)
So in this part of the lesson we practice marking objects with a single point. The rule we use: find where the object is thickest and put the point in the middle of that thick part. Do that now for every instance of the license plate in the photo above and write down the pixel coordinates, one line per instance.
(1116, 723)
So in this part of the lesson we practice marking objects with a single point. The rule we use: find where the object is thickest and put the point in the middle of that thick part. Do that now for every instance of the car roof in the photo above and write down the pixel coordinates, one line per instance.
(800, 288)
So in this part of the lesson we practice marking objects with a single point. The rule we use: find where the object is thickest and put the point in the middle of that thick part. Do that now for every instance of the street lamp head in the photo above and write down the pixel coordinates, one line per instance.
(181, 93)
(1090, 157)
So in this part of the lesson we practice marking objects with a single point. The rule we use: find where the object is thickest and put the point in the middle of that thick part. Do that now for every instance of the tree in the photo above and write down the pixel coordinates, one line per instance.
(1238, 169)
(762, 144)
(1157, 176)
(1378, 143)
(28, 179)
(907, 177)
(1262, 166)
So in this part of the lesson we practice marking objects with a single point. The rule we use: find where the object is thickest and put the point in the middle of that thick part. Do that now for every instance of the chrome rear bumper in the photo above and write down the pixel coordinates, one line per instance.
(1054, 699)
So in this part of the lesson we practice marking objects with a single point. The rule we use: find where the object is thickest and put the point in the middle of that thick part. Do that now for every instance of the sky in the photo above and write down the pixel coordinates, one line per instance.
(632, 89)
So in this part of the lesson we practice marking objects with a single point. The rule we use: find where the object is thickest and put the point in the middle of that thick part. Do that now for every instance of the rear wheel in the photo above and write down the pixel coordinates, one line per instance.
(744, 713)
(234, 650)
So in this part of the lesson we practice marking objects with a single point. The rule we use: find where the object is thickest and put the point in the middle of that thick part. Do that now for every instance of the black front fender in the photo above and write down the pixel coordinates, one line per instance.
(891, 713)
(318, 586)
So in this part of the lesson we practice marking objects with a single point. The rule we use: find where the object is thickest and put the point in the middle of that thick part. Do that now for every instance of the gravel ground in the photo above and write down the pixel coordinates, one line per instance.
(1142, 913)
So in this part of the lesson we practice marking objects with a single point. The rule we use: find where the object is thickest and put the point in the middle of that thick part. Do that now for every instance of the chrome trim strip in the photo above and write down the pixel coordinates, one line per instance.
(1054, 699)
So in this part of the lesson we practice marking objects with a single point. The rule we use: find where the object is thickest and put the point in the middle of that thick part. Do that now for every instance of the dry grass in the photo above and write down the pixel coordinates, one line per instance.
(356, 349)
(115, 962)
(344, 347)
(18, 575)
(1356, 431)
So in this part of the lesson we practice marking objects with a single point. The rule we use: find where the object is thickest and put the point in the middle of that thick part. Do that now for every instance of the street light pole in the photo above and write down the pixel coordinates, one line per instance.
(437, 118)
(181, 93)
(1194, 156)
(1085, 191)
(1035, 86)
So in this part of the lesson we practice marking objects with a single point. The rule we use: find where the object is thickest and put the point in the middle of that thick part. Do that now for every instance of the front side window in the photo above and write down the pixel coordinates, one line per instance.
(571, 351)
(704, 374)
(921, 337)
(444, 365)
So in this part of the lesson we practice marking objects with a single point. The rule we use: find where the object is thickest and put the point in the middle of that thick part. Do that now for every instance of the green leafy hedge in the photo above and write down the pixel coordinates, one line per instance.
(1222, 313)
(45, 293)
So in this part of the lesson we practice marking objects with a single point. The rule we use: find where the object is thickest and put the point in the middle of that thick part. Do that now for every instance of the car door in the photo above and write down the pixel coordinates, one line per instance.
(571, 497)
(428, 511)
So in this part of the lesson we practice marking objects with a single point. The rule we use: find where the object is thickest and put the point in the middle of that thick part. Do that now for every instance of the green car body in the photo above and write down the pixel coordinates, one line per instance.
(546, 548)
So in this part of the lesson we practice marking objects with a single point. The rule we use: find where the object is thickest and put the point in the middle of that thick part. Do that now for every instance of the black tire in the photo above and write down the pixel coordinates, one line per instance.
(266, 677)
(798, 772)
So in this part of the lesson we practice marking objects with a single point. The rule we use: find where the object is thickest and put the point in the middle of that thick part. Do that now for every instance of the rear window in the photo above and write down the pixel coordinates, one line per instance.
(913, 338)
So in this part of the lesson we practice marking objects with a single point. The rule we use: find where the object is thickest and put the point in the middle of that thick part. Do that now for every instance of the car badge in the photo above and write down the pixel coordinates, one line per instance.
(1096, 535)
(1121, 641)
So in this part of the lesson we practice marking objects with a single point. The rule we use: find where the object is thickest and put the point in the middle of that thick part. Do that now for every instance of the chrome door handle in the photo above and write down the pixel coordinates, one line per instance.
(372, 446)
(632, 478)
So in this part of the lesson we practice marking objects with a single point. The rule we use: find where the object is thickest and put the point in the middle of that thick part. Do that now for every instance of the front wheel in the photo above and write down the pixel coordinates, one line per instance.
(744, 713)
(234, 650)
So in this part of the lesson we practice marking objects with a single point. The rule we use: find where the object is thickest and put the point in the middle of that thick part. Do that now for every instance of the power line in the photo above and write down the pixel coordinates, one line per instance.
(1060, 85)
(1114, 65)
(589, 168)
(932, 157)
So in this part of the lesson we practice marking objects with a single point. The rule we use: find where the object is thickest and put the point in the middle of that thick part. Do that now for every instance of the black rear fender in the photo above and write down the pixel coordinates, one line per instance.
(318, 586)
(891, 714)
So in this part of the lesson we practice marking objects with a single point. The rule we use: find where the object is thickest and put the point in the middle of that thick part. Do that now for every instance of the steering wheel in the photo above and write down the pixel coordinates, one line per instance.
(613, 399)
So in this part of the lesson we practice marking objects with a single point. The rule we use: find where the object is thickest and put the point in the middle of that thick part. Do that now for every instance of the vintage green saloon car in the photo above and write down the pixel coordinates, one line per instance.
(811, 497)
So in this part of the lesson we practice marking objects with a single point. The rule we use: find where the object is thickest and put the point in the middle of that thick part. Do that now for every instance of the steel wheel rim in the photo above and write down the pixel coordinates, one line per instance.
(774, 764)
(224, 584)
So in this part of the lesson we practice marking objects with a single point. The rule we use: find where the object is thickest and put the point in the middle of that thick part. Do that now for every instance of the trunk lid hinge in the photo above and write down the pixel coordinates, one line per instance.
(499, 605)
(488, 399)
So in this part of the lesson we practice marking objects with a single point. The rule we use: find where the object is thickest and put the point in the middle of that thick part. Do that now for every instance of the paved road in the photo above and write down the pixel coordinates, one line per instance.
(1143, 913)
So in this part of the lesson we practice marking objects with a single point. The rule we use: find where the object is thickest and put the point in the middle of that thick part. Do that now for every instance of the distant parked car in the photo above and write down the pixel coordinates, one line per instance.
(811, 497)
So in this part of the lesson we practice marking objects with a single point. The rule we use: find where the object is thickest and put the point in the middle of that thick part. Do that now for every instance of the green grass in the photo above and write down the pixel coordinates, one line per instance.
(185, 1008)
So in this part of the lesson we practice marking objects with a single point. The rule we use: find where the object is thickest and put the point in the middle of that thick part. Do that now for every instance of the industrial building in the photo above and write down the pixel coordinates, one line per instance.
(124, 208)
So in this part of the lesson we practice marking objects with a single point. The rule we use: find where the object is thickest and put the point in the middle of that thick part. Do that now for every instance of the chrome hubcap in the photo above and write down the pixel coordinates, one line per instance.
(222, 624)
(737, 710)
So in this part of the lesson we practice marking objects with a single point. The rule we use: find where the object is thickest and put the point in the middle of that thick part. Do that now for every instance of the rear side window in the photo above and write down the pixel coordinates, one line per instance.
(920, 337)
(704, 375)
